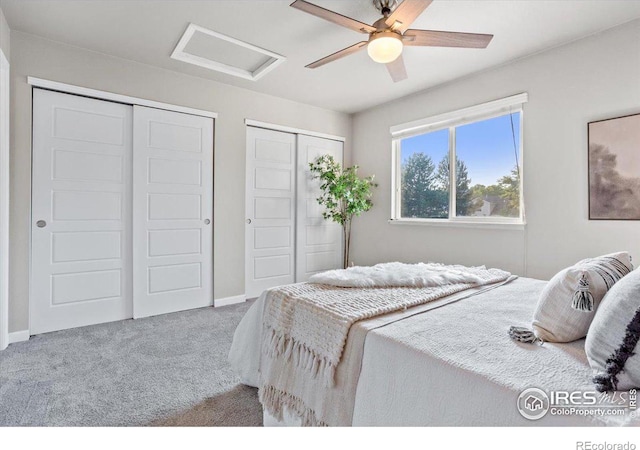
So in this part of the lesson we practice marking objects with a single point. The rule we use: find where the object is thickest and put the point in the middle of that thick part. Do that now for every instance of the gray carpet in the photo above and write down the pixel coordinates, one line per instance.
(164, 370)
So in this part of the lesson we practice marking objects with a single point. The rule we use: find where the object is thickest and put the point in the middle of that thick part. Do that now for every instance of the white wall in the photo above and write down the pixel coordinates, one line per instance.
(594, 78)
(5, 42)
(5, 45)
(33, 56)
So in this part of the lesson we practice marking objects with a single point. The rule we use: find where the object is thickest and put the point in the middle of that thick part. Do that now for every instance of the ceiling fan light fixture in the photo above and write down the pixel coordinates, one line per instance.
(385, 47)
(389, 34)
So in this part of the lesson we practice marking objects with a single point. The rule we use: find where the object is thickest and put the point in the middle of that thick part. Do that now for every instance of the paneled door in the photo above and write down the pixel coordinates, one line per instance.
(172, 211)
(81, 212)
(318, 241)
(270, 210)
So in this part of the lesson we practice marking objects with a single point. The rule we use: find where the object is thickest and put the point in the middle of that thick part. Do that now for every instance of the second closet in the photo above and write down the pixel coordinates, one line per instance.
(286, 238)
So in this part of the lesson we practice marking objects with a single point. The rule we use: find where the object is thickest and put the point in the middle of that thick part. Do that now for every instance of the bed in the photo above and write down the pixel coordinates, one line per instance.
(446, 363)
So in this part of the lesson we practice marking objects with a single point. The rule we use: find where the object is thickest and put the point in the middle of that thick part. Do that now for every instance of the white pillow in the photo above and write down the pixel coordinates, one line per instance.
(612, 341)
(568, 303)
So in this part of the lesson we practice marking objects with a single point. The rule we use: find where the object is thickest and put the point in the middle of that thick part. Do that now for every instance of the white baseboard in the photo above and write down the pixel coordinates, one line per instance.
(229, 300)
(18, 336)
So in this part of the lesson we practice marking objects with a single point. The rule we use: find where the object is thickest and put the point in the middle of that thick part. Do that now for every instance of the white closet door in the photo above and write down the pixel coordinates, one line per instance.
(270, 210)
(173, 209)
(81, 212)
(318, 241)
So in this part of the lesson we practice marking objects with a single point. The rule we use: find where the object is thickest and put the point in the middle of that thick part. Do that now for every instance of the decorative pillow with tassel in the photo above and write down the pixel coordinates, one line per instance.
(569, 302)
(612, 341)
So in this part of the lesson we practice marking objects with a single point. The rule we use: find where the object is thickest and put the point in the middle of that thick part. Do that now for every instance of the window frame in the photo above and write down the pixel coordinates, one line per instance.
(451, 121)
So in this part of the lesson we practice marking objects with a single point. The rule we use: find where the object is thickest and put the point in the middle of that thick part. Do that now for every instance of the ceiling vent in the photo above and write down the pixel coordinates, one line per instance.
(222, 53)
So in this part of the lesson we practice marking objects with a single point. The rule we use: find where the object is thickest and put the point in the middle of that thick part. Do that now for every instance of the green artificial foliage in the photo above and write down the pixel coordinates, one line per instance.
(344, 194)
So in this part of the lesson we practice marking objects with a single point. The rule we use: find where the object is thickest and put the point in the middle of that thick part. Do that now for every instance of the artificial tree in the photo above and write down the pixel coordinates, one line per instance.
(344, 194)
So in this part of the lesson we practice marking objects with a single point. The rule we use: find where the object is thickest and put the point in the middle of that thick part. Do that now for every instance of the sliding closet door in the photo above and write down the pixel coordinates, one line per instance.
(270, 210)
(172, 211)
(81, 212)
(318, 241)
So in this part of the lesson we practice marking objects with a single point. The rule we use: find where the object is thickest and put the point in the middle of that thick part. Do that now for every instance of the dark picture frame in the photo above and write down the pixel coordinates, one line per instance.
(614, 168)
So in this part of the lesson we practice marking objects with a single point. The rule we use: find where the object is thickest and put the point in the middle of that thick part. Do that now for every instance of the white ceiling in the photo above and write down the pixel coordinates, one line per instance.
(148, 30)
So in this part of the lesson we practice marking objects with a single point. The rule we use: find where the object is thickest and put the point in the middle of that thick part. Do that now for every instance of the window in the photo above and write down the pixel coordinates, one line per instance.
(486, 185)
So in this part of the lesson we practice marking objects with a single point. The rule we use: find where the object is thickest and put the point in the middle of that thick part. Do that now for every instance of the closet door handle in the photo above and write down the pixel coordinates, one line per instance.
(207, 221)
(41, 224)
(248, 221)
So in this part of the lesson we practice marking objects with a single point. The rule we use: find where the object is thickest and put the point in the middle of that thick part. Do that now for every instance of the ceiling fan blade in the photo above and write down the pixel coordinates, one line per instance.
(397, 70)
(430, 38)
(339, 54)
(406, 12)
(332, 16)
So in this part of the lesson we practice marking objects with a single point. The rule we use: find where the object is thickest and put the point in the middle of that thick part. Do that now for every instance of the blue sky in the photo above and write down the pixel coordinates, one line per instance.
(486, 147)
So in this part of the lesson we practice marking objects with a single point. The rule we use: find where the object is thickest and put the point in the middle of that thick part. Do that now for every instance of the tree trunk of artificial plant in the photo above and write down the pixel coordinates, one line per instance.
(346, 231)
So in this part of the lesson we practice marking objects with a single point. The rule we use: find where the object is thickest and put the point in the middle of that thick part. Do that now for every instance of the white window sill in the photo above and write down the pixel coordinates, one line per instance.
(484, 224)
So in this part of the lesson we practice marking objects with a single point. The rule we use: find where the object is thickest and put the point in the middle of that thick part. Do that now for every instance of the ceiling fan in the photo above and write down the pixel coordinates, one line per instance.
(389, 34)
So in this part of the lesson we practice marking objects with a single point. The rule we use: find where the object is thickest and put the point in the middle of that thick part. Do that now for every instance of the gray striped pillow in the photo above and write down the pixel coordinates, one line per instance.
(568, 303)
(612, 341)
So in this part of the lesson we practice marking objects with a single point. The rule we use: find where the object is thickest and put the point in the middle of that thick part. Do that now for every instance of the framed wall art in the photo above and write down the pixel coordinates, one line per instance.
(614, 168)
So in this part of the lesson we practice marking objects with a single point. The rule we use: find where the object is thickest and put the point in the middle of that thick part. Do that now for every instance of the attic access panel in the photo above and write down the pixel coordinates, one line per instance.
(216, 51)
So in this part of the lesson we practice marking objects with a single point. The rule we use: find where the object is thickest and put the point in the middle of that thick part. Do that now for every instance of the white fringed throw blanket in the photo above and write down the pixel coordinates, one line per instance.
(306, 325)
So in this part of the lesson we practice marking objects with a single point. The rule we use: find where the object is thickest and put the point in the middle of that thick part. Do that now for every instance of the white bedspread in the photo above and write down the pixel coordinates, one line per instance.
(453, 365)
